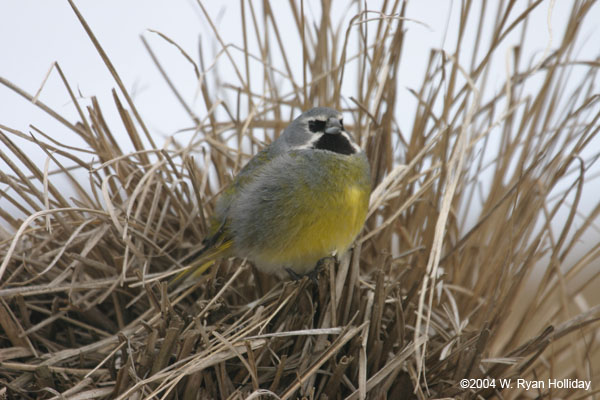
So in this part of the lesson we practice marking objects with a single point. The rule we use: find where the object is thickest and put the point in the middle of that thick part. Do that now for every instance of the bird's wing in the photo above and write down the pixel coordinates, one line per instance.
(219, 221)
(219, 242)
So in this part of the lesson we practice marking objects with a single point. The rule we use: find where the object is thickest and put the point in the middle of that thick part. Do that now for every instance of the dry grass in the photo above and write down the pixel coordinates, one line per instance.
(422, 301)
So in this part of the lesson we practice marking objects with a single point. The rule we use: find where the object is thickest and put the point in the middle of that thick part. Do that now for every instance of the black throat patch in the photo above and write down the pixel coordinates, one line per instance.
(336, 143)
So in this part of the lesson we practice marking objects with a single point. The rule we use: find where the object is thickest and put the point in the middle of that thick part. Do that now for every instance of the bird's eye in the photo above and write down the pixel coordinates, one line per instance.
(316, 125)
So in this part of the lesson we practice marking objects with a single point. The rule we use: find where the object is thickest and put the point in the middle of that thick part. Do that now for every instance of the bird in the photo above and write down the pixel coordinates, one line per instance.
(300, 200)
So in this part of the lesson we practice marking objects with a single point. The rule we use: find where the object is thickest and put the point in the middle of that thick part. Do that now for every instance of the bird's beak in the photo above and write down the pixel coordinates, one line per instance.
(333, 126)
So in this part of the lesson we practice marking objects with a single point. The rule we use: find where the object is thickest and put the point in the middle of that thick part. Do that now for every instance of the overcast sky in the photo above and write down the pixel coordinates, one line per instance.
(34, 34)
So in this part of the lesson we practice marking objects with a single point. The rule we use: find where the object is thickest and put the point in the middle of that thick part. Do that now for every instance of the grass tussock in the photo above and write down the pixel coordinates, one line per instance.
(462, 270)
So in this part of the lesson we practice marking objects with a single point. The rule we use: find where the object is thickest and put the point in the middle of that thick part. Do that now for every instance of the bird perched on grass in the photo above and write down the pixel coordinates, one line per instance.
(299, 200)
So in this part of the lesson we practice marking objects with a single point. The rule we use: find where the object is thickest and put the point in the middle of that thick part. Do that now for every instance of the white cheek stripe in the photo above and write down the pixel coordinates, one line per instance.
(355, 146)
(308, 145)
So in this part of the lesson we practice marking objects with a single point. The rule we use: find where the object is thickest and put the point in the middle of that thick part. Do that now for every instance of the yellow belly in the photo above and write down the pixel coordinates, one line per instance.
(329, 227)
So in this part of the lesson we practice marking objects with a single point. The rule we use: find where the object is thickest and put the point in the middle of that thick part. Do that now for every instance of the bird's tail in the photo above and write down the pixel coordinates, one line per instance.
(200, 263)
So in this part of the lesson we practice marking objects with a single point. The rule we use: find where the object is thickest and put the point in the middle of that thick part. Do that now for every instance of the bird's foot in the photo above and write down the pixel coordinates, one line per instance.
(293, 274)
(313, 275)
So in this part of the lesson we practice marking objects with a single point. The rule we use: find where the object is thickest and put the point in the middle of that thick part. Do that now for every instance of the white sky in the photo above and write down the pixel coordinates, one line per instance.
(34, 33)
